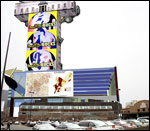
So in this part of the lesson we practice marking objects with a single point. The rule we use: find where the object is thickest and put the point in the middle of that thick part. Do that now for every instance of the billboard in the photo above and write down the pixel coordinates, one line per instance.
(41, 41)
(98, 83)
(46, 84)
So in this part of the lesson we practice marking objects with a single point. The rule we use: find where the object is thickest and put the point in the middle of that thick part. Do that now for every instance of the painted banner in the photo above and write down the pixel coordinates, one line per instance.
(41, 41)
(49, 84)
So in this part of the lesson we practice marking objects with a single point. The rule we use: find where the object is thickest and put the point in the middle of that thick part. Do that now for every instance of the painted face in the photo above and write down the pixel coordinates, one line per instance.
(42, 18)
(42, 36)
(44, 59)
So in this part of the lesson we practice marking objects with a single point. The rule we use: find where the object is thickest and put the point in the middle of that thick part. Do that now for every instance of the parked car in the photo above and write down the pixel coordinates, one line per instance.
(144, 117)
(70, 126)
(23, 122)
(31, 123)
(55, 123)
(16, 122)
(144, 122)
(43, 122)
(124, 124)
(134, 122)
(95, 125)
(116, 127)
(43, 127)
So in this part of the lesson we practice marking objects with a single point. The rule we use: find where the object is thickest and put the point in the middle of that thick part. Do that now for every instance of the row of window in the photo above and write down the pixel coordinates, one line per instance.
(138, 110)
(143, 109)
(66, 114)
(43, 8)
(64, 107)
(55, 100)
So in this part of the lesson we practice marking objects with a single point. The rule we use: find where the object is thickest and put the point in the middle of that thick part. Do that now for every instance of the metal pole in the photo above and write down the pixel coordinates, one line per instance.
(5, 64)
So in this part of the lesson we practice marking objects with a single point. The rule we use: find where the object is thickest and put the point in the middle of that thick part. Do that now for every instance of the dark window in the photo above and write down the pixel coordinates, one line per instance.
(82, 100)
(64, 5)
(72, 4)
(42, 8)
(143, 109)
(91, 124)
(138, 110)
(58, 5)
(86, 124)
(32, 8)
(21, 11)
(128, 111)
(52, 6)
(27, 10)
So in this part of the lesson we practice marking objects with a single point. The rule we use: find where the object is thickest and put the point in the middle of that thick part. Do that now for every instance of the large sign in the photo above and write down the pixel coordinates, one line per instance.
(97, 83)
(41, 41)
(49, 84)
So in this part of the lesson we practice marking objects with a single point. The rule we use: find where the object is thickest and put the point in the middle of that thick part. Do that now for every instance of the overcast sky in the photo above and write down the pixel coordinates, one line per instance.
(105, 34)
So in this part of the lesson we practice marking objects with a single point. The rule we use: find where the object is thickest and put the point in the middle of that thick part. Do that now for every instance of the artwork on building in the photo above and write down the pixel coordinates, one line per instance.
(41, 41)
(49, 84)
(40, 59)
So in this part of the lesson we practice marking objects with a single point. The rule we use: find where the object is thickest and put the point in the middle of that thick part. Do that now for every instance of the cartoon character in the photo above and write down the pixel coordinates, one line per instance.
(41, 60)
(39, 37)
(41, 18)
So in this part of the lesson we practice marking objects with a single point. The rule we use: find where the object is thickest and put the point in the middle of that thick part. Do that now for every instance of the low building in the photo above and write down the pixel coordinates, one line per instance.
(68, 109)
(139, 109)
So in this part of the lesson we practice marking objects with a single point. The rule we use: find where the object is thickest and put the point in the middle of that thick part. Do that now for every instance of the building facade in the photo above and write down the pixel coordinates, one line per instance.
(68, 109)
(139, 109)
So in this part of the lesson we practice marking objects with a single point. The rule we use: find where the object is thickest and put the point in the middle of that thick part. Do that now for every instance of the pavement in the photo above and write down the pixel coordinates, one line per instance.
(20, 127)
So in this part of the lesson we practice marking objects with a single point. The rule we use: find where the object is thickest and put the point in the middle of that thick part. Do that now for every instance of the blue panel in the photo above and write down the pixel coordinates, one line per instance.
(93, 85)
(91, 82)
(92, 75)
(91, 93)
(20, 90)
(84, 89)
(99, 78)
(95, 71)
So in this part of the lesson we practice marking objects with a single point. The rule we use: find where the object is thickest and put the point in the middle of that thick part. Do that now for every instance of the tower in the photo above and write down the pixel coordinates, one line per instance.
(43, 20)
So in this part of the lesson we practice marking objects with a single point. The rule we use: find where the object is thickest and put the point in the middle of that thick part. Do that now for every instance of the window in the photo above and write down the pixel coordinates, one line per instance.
(35, 107)
(52, 7)
(58, 6)
(82, 100)
(54, 107)
(72, 4)
(64, 5)
(143, 109)
(138, 110)
(32, 9)
(103, 107)
(27, 10)
(21, 11)
(15, 11)
(91, 124)
(86, 124)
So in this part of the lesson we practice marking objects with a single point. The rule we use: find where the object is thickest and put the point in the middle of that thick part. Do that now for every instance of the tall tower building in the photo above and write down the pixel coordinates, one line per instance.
(43, 20)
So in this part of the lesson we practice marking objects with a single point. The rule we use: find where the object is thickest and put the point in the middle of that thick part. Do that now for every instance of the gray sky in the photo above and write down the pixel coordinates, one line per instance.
(105, 34)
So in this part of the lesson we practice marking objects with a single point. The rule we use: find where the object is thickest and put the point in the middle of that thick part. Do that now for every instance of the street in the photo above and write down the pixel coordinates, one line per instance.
(20, 127)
